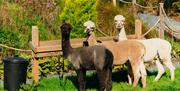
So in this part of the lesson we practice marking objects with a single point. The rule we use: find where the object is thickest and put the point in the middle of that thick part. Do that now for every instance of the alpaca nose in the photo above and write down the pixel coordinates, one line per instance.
(86, 30)
(119, 24)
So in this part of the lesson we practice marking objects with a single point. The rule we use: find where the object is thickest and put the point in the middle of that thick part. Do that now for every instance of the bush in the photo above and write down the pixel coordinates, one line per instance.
(77, 12)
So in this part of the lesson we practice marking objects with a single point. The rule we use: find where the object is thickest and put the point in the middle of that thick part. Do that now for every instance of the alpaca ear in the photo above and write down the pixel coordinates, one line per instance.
(61, 27)
(70, 27)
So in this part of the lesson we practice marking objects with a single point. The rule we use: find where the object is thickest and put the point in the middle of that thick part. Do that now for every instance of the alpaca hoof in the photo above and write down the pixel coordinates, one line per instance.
(130, 83)
(155, 80)
(133, 86)
(144, 86)
(172, 79)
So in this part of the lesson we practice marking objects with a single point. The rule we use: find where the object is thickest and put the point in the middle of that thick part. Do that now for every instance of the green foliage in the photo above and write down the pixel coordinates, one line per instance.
(29, 87)
(48, 66)
(18, 17)
(175, 47)
(1, 70)
(105, 17)
(51, 66)
(77, 12)
(9, 37)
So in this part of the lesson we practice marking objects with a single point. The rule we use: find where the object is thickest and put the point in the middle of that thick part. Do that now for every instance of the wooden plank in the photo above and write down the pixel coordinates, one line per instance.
(48, 48)
(31, 46)
(35, 36)
(58, 42)
(52, 47)
(105, 38)
(35, 68)
(48, 54)
(131, 36)
(134, 8)
(55, 45)
(50, 42)
(114, 3)
(35, 64)
(80, 40)
(161, 25)
(138, 28)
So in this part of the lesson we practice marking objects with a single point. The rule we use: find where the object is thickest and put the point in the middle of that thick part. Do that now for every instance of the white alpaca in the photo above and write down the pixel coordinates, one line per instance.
(156, 48)
(119, 21)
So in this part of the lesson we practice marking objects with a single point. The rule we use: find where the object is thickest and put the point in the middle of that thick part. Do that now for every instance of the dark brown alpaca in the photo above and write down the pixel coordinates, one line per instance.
(85, 58)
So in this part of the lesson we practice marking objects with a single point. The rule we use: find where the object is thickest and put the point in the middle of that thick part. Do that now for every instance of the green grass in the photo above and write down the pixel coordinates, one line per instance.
(1, 88)
(70, 83)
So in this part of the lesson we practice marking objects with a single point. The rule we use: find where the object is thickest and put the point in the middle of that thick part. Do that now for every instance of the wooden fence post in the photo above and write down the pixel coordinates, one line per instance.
(134, 8)
(114, 3)
(35, 36)
(35, 64)
(138, 29)
(161, 25)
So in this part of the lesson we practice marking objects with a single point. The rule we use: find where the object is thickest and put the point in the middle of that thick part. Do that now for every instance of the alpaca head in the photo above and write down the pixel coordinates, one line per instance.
(89, 27)
(65, 32)
(119, 22)
(66, 29)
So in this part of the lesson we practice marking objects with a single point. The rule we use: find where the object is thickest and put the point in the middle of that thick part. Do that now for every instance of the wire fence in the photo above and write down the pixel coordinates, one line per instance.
(12, 48)
(125, 2)
(170, 26)
(137, 4)
(151, 28)
(146, 7)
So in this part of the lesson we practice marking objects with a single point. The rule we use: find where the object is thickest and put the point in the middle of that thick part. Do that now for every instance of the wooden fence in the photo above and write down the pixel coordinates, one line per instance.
(53, 47)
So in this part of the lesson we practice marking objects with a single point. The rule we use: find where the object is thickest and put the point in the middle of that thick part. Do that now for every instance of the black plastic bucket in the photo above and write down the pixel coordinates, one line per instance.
(15, 72)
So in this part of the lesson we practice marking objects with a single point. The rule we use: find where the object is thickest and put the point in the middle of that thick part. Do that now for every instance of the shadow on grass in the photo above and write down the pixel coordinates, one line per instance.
(92, 80)
(151, 73)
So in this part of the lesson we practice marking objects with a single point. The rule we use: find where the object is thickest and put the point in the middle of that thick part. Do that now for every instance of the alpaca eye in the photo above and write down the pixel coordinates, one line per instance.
(116, 22)
(69, 28)
(92, 28)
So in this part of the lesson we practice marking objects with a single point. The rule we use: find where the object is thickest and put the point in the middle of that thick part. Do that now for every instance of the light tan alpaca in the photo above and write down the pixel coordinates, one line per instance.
(122, 52)
(157, 49)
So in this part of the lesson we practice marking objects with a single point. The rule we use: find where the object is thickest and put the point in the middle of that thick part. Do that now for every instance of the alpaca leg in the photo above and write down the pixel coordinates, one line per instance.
(130, 73)
(136, 72)
(143, 74)
(169, 64)
(109, 81)
(160, 70)
(81, 74)
(129, 79)
(102, 79)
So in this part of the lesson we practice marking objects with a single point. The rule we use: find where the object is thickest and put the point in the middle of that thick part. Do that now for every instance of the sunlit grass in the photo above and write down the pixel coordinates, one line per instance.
(70, 83)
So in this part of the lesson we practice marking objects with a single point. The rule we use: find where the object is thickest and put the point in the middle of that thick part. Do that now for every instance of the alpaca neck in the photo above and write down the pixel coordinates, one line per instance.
(92, 39)
(66, 46)
(122, 35)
